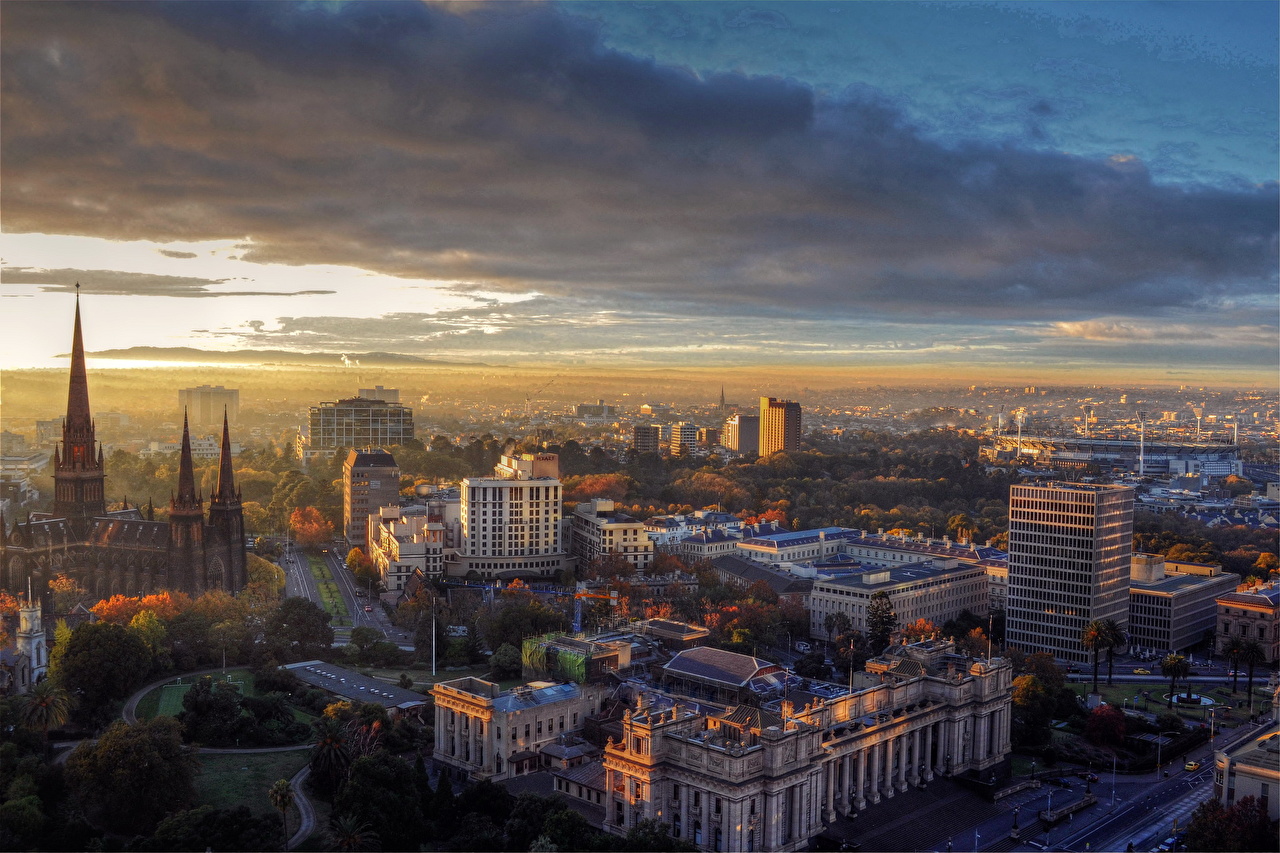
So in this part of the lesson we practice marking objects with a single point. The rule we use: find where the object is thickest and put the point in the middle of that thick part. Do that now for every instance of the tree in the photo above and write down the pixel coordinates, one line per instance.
(299, 628)
(1174, 667)
(348, 834)
(103, 661)
(506, 662)
(45, 707)
(1242, 826)
(310, 528)
(812, 665)
(652, 836)
(281, 796)
(921, 629)
(206, 828)
(67, 593)
(1094, 640)
(837, 622)
(1113, 638)
(118, 609)
(134, 775)
(381, 792)
(329, 756)
(8, 606)
(1232, 647)
(1106, 726)
(362, 639)
(1251, 655)
(881, 620)
(1045, 668)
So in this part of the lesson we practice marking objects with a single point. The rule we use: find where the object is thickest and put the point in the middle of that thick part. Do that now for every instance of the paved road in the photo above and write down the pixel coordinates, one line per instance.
(376, 617)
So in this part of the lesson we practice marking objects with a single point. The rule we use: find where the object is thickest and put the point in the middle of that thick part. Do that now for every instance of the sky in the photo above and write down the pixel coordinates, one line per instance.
(968, 188)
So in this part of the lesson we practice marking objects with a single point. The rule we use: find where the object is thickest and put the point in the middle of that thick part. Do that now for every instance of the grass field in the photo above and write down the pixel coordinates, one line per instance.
(232, 780)
(330, 597)
(166, 700)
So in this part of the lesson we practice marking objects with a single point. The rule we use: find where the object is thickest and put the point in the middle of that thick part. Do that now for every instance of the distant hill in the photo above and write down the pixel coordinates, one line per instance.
(270, 356)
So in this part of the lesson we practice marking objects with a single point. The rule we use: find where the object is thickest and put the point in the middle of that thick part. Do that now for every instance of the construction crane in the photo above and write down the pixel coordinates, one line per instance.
(581, 593)
(537, 391)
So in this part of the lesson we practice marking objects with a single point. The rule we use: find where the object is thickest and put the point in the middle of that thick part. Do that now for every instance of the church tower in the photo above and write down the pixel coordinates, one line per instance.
(224, 548)
(79, 479)
(186, 526)
(31, 639)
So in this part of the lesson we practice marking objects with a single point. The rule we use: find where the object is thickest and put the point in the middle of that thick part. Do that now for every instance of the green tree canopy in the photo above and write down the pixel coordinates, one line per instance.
(134, 775)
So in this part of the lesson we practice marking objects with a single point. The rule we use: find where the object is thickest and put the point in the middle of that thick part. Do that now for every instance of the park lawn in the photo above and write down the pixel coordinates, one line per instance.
(168, 702)
(245, 778)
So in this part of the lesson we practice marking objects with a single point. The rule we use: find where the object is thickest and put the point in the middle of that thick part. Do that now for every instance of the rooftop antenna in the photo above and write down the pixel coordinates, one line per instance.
(1198, 411)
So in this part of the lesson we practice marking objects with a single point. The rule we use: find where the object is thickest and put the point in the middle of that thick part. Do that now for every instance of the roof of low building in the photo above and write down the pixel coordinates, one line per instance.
(718, 665)
(589, 774)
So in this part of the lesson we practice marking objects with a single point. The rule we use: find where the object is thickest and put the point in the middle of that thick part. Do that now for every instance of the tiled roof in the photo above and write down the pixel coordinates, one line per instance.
(783, 583)
(907, 668)
(589, 774)
(717, 665)
(752, 718)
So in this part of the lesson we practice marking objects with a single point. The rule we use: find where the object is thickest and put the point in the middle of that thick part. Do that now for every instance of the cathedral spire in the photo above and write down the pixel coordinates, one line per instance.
(78, 415)
(226, 489)
(79, 481)
(187, 497)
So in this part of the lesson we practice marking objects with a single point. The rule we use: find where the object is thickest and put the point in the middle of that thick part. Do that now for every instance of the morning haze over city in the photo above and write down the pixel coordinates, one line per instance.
(639, 426)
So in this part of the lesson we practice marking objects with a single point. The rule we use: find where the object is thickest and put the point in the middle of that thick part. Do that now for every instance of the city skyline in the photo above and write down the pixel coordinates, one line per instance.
(960, 190)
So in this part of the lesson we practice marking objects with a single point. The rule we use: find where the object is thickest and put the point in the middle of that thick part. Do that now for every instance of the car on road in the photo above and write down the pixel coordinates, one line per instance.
(1061, 783)
(1142, 671)
(1191, 766)
(1087, 776)
(368, 609)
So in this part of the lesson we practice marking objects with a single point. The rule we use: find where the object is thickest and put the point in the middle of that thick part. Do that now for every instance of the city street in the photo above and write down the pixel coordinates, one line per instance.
(376, 617)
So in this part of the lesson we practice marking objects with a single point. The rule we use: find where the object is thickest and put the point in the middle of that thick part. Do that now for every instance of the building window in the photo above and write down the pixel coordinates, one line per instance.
(697, 832)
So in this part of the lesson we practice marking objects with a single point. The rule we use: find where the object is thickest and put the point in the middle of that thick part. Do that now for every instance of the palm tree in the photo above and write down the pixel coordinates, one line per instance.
(1094, 640)
(281, 796)
(1231, 647)
(47, 706)
(347, 833)
(1251, 654)
(836, 622)
(1174, 667)
(1114, 638)
(330, 757)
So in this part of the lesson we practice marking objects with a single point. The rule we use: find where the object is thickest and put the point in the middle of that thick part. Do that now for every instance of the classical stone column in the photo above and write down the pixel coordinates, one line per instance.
(876, 762)
(928, 753)
(900, 777)
(829, 778)
(887, 783)
(981, 737)
(846, 770)
(797, 800)
(860, 791)
(913, 776)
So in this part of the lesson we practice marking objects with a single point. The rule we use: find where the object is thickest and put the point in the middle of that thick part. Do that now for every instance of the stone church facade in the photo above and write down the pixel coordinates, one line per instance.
(123, 551)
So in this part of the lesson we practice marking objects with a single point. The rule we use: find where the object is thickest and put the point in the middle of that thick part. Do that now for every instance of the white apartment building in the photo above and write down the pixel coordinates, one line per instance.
(511, 522)
(598, 528)
(936, 590)
(403, 541)
(684, 438)
(1070, 549)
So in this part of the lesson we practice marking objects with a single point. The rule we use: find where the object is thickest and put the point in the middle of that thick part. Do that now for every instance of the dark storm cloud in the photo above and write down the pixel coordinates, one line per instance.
(503, 145)
(116, 283)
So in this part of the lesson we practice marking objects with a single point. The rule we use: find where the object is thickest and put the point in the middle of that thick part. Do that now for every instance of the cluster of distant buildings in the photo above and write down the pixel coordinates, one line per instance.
(776, 428)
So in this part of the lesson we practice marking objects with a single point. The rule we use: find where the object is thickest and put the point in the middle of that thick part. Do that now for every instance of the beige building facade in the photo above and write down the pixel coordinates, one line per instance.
(370, 479)
(936, 590)
(599, 528)
(403, 541)
(764, 779)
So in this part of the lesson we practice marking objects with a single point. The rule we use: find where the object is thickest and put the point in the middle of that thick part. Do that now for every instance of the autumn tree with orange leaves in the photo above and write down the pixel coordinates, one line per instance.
(309, 527)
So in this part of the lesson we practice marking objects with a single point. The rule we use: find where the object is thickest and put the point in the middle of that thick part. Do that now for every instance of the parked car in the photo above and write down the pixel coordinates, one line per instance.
(803, 647)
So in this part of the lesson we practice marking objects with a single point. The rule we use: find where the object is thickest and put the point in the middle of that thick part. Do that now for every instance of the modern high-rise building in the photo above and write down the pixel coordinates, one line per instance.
(511, 521)
(358, 422)
(204, 404)
(709, 436)
(370, 480)
(1070, 549)
(779, 426)
(646, 438)
(742, 433)
(377, 392)
(684, 438)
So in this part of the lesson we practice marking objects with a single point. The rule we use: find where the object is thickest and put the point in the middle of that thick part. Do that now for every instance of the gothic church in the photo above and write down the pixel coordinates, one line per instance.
(123, 551)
